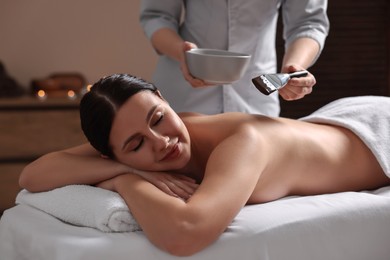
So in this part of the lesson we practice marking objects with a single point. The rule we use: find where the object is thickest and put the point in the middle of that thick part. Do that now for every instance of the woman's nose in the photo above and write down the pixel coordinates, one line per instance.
(161, 142)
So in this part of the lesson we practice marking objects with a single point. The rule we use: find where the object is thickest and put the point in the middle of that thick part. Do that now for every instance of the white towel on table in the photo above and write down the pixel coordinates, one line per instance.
(367, 116)
(83, 205)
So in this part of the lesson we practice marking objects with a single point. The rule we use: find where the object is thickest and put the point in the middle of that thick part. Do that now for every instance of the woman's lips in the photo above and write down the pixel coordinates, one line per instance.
(173, 153)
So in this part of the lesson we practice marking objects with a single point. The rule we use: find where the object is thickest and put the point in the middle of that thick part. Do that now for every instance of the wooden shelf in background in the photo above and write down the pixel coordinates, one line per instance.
(30, 128)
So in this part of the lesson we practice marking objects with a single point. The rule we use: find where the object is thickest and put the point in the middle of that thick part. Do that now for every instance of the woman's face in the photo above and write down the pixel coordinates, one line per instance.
(148, 135)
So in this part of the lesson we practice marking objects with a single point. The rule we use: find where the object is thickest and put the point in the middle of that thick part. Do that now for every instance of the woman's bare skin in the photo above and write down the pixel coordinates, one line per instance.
(306, 158)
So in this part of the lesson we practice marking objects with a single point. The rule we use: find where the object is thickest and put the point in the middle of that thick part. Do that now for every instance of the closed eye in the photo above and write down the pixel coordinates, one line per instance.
(160, 118)
(139, 145)
(158, 121)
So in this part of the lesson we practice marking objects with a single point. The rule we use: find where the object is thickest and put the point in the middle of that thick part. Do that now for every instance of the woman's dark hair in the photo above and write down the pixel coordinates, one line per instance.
(98, 107)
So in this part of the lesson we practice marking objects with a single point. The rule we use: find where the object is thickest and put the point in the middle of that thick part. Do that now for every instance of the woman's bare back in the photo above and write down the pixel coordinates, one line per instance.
(304, 158)
(325, 159)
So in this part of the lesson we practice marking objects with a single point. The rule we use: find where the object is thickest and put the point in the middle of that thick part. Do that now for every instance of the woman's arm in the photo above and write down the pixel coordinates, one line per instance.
(184, 228)
(77, 165)
(84, 165)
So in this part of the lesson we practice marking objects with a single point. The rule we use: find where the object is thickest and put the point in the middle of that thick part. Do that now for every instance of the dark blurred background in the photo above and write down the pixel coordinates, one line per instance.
(356, 57)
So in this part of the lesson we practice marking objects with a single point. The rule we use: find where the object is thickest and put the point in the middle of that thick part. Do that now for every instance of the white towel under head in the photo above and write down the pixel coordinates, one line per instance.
(83, 205)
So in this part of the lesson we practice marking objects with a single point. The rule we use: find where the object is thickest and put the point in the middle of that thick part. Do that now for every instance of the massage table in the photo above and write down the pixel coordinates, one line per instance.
(339, 226)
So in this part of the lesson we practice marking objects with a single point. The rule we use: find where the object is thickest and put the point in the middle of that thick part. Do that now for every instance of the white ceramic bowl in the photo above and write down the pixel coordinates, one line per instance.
(216, 66)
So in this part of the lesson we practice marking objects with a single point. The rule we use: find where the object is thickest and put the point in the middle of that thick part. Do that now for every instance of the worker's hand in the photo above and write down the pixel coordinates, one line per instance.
(194, 82)
(297, 88)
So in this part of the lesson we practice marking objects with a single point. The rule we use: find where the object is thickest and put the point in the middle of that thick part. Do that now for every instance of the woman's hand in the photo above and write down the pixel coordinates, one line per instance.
(297, 88)
(176, 185)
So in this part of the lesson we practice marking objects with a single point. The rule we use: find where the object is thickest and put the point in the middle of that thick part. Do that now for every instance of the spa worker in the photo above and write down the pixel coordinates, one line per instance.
(245, 26)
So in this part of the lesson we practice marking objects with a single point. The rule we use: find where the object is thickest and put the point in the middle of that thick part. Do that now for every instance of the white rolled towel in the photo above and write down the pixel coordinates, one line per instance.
(83, 205)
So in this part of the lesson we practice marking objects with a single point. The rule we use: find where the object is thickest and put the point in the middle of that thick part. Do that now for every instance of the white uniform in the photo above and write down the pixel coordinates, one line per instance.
(246, 26)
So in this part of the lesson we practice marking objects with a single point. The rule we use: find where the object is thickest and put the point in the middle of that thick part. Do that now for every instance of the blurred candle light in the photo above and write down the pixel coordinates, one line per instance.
(71, 94)
(85, 90)
(41, 94)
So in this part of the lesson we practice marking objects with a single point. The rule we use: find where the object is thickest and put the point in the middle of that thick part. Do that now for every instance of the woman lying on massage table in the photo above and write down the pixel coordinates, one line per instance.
(236, 159)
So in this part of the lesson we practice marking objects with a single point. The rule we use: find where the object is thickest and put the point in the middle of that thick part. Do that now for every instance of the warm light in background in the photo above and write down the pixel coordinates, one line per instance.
(41, 94)
(71, 94)
(89, 88)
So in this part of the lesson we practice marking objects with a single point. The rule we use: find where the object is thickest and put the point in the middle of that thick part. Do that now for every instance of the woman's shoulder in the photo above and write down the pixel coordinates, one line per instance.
(215, 118)
(189, 114)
